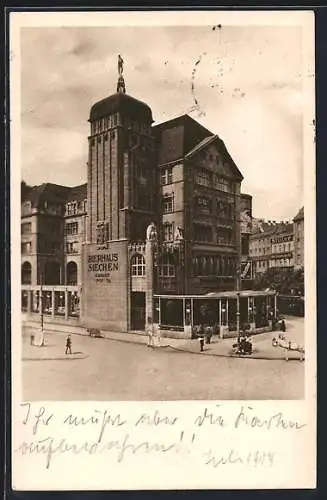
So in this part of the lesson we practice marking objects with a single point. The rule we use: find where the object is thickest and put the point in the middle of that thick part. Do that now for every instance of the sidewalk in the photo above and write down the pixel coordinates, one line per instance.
(262, 343)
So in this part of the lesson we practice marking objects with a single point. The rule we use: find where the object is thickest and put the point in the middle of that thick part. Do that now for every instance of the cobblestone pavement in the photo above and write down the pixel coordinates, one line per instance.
(123, 368)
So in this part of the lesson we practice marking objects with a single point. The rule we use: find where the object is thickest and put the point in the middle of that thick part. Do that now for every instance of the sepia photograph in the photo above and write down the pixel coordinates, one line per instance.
(163, 250)
(162, 213)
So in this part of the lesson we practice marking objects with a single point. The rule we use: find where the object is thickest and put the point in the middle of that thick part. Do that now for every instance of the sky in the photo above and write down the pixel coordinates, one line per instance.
(243, 83)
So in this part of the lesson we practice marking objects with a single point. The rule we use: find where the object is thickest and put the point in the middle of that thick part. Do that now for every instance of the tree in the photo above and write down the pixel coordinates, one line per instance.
(284, 281)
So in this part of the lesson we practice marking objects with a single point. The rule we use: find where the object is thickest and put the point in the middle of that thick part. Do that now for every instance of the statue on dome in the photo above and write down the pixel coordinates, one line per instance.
(120, 65)
(151, 232)
(121, 89)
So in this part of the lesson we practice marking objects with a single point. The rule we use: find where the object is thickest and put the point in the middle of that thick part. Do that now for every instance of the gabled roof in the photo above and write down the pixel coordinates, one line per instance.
(226, 157)
(183, 137)
(201, 145)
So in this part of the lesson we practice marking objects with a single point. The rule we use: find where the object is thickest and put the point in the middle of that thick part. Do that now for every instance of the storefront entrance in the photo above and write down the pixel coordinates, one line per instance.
(138, 311)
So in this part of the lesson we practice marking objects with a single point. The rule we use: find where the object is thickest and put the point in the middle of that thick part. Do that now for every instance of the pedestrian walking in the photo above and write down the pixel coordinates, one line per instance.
(68, 345)
(283, 326)
(150, 332)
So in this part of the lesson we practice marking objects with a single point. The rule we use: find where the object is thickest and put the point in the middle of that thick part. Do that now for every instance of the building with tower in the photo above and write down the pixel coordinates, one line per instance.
(161, 219)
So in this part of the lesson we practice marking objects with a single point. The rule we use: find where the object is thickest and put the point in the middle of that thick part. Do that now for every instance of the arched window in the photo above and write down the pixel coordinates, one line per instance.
(26, 273)
(138, 265)
(167, 267)
(71, 273)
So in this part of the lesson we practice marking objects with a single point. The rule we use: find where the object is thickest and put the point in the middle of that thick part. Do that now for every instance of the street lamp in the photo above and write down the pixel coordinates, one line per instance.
(41, 311)
(238, 314)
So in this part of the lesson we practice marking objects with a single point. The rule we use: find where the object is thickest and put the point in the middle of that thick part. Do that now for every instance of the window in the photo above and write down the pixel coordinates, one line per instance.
(168, 231)
(204, 204)
(224, 236)
(26, 208)
(72, 247)
(222, 184)
(138, 265)
(167, 266)
(203, 177)
(225, 210)
(26, 273)
(102, 232)
(71, 228)
(166, 176)
(26, 247)
(202, 233)
(26, 228)
(168, 204)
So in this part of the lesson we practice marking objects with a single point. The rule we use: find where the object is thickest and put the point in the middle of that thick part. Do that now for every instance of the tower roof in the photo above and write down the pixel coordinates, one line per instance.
(122, 103)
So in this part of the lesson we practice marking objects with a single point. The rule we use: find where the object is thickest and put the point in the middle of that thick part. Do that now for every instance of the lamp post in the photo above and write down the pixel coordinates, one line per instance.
(42, 343)
(238, 314)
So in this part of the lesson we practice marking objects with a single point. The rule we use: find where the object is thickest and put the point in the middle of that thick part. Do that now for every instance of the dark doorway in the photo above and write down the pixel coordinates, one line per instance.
(138, 311)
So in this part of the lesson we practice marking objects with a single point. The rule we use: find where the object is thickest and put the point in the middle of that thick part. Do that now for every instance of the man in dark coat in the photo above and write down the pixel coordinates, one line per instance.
(68, 345)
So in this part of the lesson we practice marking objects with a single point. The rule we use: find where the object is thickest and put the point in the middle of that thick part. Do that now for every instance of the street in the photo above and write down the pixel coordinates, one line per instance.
(112, 369)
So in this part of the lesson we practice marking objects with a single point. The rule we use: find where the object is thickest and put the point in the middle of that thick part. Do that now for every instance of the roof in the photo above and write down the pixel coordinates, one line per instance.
(77, 193)
(202, 144)
(183, 137)
(299, 215)
(216, 295)
(53, 193)
(248, 196)
(263, 228)
(177, 137)
(123, 103)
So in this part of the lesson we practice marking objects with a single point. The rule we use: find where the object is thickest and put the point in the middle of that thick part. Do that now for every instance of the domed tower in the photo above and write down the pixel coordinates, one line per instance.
(121, 167)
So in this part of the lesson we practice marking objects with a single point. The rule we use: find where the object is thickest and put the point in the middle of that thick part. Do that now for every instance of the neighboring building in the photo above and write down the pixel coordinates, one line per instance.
(52, 232)
(260, 245)
(272, 246)
(282, 247)
(298, 225)
(42, 234)
(199, 188)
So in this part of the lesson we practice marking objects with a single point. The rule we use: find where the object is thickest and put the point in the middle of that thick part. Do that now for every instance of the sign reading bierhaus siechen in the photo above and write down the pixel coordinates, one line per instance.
(102, 265)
